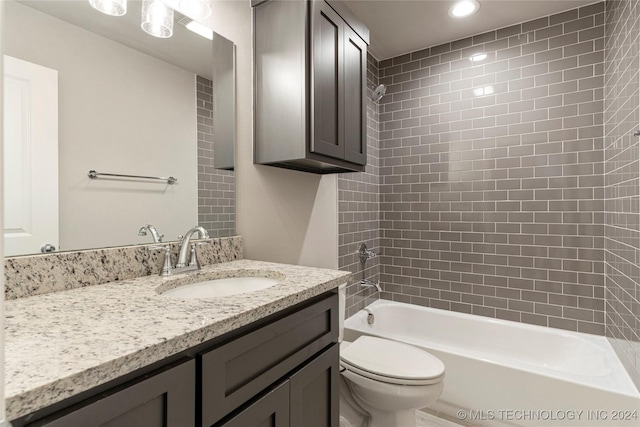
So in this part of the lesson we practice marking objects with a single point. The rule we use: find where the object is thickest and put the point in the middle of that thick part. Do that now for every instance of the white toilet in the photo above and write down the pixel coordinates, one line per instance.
(383, 381)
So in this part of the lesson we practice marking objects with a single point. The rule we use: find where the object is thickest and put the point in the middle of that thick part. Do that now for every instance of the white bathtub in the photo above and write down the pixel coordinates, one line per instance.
(502, 373)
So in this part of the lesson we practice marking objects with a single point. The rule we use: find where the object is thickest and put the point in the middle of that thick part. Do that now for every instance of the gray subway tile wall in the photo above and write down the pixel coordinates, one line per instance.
(359, 209)
(491, 174)
(622, 192)
(216, 187)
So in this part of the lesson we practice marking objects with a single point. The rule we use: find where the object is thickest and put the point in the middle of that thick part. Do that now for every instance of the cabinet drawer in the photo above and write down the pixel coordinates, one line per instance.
(242, 368)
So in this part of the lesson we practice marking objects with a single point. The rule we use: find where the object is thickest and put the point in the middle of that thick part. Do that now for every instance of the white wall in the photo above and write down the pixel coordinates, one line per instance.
(284, 216)
(145, 125)
(2, 408)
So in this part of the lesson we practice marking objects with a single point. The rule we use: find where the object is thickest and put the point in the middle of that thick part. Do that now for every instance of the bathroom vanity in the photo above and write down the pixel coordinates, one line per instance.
(121, 353)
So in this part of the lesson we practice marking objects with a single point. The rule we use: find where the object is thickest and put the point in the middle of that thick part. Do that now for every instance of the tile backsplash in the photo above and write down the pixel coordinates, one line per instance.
(41, 274)
(491, 173)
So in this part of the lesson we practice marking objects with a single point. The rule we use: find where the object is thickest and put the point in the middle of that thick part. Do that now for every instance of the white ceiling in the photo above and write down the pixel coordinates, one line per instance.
(400, 26)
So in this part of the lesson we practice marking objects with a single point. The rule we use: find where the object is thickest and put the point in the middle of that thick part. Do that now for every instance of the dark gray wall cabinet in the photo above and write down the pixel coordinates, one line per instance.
(280, 372)
(310, 86)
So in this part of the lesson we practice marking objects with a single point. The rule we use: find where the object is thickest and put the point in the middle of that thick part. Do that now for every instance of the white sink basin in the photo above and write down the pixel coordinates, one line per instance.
(220, 287)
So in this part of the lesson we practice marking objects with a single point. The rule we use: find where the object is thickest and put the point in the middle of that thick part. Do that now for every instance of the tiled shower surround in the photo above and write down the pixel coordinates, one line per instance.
(510, 187)
(622, 192)
(216, 187)
(491, 173)
(359, 210)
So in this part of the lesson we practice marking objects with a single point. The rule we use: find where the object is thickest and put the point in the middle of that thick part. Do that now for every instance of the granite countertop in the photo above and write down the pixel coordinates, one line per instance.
(63, 343)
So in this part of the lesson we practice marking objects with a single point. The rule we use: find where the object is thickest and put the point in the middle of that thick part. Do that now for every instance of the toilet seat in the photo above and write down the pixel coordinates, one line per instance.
(391, 362)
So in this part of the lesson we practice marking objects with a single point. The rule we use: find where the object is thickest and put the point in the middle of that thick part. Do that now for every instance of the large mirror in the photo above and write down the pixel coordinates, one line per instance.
(87, 91)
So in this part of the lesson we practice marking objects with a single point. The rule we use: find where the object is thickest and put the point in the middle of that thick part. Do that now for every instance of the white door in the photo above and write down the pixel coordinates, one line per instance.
(30, 157)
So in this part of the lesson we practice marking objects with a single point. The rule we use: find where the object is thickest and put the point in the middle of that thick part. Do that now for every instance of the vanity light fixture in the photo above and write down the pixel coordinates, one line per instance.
(196, 9)
(157, 18)
(478, 57)
(464, 8)
(200, 29)
(110, 7)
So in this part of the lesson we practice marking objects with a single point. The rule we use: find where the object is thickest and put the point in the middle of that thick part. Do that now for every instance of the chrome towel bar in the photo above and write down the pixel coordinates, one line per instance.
(94, 175)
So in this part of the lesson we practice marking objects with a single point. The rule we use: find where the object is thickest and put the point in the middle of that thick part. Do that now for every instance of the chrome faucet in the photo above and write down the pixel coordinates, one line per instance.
(366, 283)
(365, 254)
(186, 246)
(157, 237)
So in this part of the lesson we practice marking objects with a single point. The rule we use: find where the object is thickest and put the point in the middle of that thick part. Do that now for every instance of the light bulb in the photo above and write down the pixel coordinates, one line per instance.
(464, 8)
(195, 9)
(157, 18)
(110, 7)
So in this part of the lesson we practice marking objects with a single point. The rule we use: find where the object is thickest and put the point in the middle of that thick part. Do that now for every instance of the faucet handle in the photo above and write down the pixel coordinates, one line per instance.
(166, 265)
(364, 253)
(193, 262)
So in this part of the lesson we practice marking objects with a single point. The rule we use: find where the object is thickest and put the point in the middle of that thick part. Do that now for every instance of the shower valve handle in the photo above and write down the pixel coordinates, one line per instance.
(364, 253)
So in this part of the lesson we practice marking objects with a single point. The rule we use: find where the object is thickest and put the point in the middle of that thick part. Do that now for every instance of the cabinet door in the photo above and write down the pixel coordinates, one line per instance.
(271, 410)
(327, 45)
(235, 372)
(315, 392)
(165, 399)
(355, 114)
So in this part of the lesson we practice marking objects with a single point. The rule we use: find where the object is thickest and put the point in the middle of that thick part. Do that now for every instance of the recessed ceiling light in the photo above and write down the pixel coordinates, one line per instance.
(478, 57)
(464, 8)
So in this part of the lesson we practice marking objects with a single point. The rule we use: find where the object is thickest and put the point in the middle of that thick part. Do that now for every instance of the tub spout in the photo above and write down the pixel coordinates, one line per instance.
(370, 283)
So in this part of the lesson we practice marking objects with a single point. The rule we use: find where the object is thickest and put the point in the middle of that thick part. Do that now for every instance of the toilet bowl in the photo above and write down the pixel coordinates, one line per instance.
(385, 381)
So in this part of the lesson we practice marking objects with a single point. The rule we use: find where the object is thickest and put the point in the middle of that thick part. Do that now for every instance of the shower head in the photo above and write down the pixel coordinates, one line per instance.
(378, 93)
